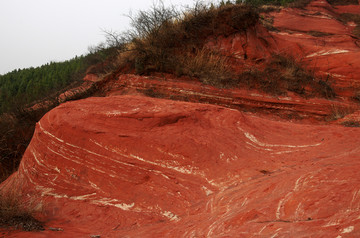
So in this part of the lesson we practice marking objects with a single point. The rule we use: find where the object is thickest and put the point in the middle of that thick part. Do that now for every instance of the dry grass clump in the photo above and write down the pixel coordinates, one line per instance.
(338, 112)
(16, 215)
(208, 66)
(283, 73)
(166, 41)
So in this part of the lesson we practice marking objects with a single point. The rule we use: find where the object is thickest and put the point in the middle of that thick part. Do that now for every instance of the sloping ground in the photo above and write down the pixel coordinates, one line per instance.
(292, 106)
(241, 164)
(141, 167)
(314, 35)
(337, 53)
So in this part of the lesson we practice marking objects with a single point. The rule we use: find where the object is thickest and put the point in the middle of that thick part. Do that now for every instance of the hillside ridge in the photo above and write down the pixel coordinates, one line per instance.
(249, 132)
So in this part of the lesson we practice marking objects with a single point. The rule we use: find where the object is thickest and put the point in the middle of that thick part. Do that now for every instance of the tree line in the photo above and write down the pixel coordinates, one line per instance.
(24, 86)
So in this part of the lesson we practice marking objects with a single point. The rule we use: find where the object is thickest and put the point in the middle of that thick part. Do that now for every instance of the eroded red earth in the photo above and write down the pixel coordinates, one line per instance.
(137, 166)
(204, 162)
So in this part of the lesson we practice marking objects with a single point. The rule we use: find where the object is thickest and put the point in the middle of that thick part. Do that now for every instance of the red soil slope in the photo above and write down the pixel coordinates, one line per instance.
(142, 167)
(290, 106)
(314, 35)
(241, 164)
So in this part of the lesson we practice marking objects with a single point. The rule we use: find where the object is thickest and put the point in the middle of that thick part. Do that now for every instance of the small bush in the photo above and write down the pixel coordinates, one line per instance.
(257, 79)
(208, 66)
(165, 40)
(338, 112)
(163, 36)
(15, 215)
(101, 56)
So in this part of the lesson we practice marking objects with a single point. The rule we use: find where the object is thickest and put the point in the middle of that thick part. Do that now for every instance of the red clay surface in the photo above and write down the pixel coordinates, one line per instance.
(226, 163)
(142, 167)
(314, 36)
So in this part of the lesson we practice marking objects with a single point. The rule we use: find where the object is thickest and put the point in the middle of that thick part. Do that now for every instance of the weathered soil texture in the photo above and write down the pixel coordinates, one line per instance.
(318, 35)
(142, 167)
(161, 156)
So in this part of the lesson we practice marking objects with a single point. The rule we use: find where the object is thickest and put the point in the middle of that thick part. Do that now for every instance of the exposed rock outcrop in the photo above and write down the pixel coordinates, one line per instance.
(154, 168)
(160, 156)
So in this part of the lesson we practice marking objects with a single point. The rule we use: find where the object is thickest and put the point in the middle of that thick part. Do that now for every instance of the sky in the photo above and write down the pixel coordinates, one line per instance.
(35, 32)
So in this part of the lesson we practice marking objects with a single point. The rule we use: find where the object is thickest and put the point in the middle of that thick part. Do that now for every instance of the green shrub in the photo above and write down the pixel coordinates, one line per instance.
(22, 87)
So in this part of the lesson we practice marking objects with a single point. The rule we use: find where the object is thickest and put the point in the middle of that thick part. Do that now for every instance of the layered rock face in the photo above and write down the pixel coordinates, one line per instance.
(200, 161)
(139, 167)
(317, 35)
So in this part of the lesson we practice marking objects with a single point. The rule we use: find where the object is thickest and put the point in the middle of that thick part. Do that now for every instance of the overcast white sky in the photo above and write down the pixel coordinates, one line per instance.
(34, 32)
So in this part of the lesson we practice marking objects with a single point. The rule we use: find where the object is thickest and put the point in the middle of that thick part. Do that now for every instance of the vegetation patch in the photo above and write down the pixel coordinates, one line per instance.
(356, 97)
(15, 215)
(299, 3)
(350, 17)
(351, 123)
(268, 22)
(162, 40)
(208, 66)
(163, 37)
(20, 88)
(287, 3)
(151, 92)
(319, 33)
(338, 112)
(283, 73)
(343, 2)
